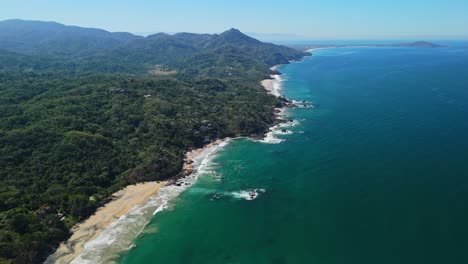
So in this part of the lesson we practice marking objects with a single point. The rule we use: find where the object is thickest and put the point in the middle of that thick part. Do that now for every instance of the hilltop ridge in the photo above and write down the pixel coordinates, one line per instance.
(53, 38)
(217, 55)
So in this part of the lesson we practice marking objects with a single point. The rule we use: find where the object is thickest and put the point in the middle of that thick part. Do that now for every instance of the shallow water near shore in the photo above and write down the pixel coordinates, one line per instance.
(376, 173)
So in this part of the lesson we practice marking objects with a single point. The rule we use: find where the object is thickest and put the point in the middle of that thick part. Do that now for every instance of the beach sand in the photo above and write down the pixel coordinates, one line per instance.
(273, 85)
(268, 84)
(124, 201)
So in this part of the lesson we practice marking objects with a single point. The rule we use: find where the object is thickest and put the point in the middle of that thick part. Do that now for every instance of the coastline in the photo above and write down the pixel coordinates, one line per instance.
(282, 122)
(144, 200)
(91, 237)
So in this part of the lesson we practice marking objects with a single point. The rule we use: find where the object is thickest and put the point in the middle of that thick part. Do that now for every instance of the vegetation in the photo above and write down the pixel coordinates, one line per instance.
(79, 124)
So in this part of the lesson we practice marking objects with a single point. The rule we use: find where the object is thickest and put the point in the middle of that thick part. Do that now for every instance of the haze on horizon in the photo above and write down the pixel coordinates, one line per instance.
(298, 19)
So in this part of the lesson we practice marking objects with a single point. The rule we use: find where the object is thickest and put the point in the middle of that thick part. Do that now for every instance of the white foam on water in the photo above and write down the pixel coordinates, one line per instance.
(118, 236)
(299, 101)
(283, 132)
(302, 104)
(161, 207)
(277, 85)
(248, 195)
(291, 123)
(270, 137)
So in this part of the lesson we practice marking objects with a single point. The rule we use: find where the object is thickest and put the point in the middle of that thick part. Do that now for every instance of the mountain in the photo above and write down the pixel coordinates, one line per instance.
(268, 53)
(51, 38)
(226, 55)
(232, 36)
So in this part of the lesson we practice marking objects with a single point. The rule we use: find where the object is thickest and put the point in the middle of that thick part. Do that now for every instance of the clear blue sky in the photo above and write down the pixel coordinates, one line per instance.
(323, 19)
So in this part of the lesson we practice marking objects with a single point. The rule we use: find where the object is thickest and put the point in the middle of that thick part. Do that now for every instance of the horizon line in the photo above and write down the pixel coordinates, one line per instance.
(271, 35)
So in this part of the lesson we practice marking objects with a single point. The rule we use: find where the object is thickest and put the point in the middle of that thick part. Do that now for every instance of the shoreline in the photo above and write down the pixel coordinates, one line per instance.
(87, 234)
(122, 203)
(273, 86)
(320, 48)
(188, 167)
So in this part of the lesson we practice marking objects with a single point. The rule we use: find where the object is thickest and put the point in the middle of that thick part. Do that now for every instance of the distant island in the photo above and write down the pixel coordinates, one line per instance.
(417, 44)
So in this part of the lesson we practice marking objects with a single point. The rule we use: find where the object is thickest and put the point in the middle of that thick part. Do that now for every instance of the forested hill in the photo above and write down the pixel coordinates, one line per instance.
(84, 112)
(51, 38)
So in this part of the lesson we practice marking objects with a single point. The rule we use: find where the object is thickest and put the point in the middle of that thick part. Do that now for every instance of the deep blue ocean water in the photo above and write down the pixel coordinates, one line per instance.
(377, 172)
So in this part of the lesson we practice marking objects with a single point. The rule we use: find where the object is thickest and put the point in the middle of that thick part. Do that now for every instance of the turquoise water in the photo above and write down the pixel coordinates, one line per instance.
(376, 173)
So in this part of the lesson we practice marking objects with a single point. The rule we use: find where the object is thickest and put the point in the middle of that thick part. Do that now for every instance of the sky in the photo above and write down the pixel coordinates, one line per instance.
(307, 19)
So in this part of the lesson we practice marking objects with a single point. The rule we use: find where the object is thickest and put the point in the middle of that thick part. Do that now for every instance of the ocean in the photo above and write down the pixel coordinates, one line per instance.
(377, 172)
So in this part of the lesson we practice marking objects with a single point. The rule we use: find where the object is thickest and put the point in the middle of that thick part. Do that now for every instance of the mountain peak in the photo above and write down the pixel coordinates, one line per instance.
(234, 35)
(233, 31)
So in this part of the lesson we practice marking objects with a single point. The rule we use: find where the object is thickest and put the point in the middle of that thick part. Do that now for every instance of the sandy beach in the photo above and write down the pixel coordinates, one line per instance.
(268, 84)
(273, 85)
(123, 202)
